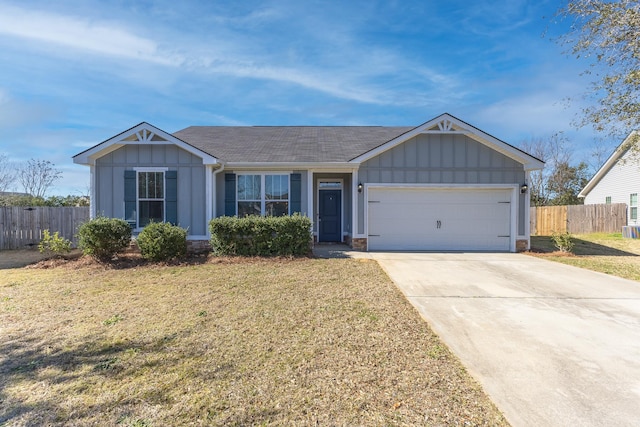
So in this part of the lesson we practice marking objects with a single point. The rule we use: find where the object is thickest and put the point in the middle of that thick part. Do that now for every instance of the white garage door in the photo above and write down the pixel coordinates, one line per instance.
(439, 219)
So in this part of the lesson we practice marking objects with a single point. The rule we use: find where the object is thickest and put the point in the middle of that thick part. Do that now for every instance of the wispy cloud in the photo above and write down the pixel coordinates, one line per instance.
(352, 76)
(77, 72)
(74, 32)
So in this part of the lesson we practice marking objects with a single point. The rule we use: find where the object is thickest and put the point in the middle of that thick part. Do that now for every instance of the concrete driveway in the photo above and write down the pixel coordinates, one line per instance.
(553, 345)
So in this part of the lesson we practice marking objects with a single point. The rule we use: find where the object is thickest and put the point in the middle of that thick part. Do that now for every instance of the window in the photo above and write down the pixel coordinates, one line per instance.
(263, 195)
(607, 200)
(150, 197)
(633, 206)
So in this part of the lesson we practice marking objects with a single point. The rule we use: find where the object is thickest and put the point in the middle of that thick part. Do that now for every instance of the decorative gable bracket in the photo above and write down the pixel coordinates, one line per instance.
(144, 135)
(444, 125)
(141, 133)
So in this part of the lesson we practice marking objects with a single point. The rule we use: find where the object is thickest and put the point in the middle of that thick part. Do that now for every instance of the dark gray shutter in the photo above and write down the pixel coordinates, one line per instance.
(130, 198)
(295, 193)
(230, 194)
(171, 197)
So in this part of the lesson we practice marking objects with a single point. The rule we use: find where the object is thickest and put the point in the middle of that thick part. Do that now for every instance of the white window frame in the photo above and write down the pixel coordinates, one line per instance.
(263, 187)
(633, 207)
(607, 200)
(140, 199)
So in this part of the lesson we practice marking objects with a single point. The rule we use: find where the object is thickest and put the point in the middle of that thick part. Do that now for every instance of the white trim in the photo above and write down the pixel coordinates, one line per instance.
(139, 170)
(208, 195)
(263, 187)
(214, 196)
(92, 192)
(241, 171)
(335, 180)
(310, 200)
(337, 167)
(144, 131)
(527, 212)
(354, 202)
(150, 169)
(515, 190)
(611, 161)
(342, 194)
(199, 237)
(456, 126)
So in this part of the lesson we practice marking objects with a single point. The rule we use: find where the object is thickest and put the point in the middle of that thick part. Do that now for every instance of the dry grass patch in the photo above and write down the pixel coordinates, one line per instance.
(606, 253)
(227, 342)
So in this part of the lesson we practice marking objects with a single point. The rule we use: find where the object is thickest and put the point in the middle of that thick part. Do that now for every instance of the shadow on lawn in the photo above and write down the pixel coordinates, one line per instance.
(582, 247)
(26, 360)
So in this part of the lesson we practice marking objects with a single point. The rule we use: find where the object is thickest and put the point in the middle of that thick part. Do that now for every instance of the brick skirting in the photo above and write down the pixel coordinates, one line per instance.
(198, 246)
(359, 243)
(522, 245)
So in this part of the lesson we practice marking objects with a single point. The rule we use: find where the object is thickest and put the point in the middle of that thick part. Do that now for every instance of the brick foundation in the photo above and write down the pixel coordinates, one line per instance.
(522, 245)
(198, 246)
(359, 243)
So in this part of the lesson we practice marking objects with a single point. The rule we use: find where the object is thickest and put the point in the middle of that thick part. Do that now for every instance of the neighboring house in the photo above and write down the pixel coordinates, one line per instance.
(618, 180)
(443, 185)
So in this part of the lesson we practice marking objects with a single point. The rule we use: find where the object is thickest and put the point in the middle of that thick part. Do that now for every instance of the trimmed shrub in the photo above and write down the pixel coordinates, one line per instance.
(261, 236)
(162, 241)
(102, 238)
(54, 243)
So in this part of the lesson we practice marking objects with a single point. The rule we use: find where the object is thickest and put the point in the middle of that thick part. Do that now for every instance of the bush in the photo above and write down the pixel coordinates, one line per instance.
(102, 238)
(261, 236)
(562, 241)
(54, 243)
(161, 241)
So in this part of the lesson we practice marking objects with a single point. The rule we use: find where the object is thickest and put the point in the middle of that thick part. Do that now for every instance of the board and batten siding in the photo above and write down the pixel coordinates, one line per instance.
(442, 159)
(622, 180)
(109, 181)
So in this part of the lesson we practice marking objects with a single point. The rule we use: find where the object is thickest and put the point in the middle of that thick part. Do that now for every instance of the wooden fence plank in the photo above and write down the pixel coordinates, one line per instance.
(22, 227)
(578, 219)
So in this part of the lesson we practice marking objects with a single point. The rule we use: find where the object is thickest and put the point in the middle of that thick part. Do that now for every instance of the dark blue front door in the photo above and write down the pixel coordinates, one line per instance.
(329, 226)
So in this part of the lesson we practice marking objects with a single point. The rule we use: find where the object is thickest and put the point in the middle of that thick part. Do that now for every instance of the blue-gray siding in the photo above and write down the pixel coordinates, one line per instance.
(191, 197)
(442, 159)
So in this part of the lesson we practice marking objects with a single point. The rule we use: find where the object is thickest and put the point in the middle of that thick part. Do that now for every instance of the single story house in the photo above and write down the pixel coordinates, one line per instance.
(443, 185)
(618, 180)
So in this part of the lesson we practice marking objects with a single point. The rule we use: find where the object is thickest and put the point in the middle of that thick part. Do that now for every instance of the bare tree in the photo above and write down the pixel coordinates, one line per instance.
(559, 182)
(598, 155)
(37, 176)
(7, 173)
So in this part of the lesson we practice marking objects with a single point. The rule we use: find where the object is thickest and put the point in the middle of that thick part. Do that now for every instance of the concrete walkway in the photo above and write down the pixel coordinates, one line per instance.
(553, 345)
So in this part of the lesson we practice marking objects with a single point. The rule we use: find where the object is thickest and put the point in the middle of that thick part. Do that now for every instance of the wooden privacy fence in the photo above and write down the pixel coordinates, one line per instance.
(578, 219)
(22, 227)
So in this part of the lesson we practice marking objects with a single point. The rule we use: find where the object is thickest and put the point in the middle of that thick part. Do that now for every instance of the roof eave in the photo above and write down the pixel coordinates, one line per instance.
(449, 124)
(89, 156)
(290, 165)
(604, 169)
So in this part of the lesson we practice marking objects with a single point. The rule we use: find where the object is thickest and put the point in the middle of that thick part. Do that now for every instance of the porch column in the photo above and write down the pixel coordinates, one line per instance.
(310, 199)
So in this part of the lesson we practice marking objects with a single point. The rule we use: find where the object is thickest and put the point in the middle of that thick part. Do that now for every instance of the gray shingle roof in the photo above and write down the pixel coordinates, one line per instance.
(288, 143)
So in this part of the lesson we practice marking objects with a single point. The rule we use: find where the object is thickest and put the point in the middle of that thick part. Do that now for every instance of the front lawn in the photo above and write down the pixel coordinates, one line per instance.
(224, 342)
(606, 253)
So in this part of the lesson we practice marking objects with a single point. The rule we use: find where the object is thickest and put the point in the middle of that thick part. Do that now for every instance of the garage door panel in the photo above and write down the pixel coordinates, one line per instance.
(430, 219)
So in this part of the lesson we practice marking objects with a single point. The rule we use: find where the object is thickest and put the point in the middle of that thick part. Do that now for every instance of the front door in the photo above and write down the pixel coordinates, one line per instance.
(329, 209)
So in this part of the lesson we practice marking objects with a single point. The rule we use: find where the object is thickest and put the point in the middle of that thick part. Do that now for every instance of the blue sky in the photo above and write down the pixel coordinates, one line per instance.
(74, 73)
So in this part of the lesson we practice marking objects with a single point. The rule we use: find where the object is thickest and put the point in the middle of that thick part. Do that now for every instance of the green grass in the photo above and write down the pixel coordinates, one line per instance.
(606, 253)
(226, 342)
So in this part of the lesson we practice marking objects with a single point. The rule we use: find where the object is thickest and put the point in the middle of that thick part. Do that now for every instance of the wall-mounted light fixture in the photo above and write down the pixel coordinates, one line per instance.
(360, 188)
(523, 188)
